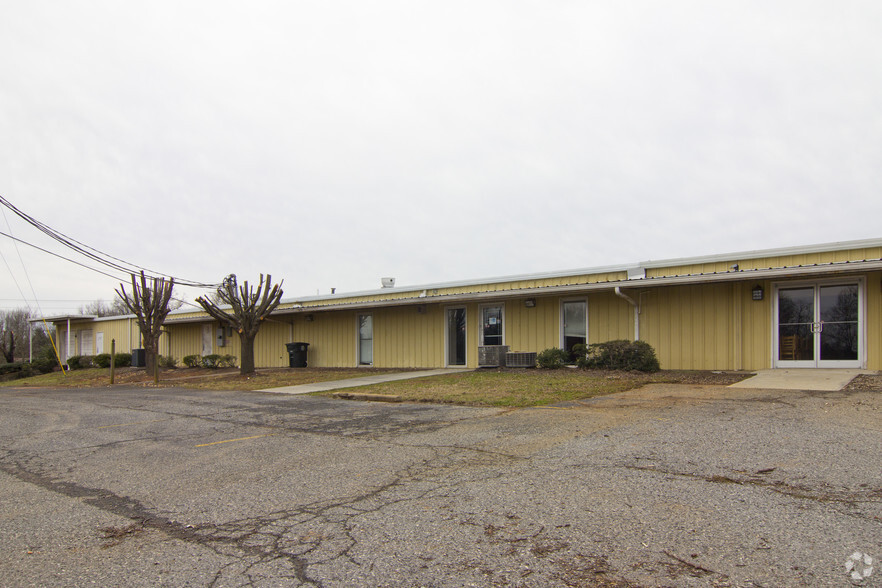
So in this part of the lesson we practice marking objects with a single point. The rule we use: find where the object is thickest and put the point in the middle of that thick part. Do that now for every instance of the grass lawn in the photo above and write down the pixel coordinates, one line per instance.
(215, 379)
(486, 387)
(535, 387)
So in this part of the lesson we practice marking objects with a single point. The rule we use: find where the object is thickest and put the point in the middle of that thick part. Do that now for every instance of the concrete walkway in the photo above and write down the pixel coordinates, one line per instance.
(362, 381)
(801, 379)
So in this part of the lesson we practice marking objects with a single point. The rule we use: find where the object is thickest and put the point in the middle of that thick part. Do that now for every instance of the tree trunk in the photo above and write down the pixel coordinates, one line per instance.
(151, 348)
(9, 352)
(246, 359)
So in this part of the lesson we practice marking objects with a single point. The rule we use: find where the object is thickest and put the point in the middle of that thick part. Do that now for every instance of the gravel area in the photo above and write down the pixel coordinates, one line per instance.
(666, 485)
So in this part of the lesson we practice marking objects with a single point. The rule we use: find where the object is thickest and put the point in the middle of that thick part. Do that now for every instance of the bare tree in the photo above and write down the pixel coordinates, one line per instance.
(13, 331)
(7, 350)
(150, 305)
(101, 308)
(248, 309)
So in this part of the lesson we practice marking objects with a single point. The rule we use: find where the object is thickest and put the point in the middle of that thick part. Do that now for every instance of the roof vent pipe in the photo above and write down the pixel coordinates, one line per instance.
(636, 306)
(388, 282)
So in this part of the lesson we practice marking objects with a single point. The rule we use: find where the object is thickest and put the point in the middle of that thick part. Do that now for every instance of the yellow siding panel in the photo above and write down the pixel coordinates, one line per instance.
(689, 326)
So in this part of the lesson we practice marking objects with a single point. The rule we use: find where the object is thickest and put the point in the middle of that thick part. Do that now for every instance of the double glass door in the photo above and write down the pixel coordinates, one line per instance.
(819, 325)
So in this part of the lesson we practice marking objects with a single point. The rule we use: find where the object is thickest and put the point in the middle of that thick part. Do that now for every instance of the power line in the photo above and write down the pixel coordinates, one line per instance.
(97, 255)
(63, 257)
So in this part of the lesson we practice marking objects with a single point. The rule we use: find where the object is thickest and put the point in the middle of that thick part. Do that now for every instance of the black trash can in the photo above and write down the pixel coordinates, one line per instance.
(297, 354)
(139, 358)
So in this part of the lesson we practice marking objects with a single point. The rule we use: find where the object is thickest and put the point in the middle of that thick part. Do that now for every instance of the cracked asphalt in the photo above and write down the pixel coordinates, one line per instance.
(669, 485)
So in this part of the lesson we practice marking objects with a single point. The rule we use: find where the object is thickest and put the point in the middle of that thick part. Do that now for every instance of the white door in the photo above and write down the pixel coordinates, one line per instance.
(99, 343)
(820, 325)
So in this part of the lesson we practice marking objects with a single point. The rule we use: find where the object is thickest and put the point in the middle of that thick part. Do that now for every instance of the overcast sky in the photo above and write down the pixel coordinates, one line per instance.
(331, 143)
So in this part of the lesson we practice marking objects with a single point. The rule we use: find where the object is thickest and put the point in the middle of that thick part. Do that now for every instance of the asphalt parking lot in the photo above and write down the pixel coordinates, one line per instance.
(662, 486)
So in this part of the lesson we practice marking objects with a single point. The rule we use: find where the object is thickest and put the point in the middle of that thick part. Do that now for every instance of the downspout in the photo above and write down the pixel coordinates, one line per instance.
(67, 351)
(636, 306)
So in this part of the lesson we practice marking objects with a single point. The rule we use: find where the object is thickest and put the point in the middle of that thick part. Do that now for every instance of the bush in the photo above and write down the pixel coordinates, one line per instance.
(211, 361)
(168, 362)
(102, 360)
(10, 368)
(43, 366)
(227, 361)
(192, 361)
(23, 369)
(552, 359)
(79, 362)
(618, 355)
(122, 360)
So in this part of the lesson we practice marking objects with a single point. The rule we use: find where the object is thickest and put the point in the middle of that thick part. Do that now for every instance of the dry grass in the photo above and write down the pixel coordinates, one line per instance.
(493, 387)
(519, 388)
(215, 379)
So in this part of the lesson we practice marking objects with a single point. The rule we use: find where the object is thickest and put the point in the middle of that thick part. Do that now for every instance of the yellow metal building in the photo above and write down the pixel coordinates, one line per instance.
(813, 306)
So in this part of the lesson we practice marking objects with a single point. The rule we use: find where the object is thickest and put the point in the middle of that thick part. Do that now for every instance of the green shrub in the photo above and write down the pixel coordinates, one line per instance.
(192, 361)
(552, 359)
(79, 362)
(23, 369)
(619, 355)
(211, 361)
(102, 360)
(122, 360)
(227, 361)
(43, 365)
(11, 368)
(168, 362)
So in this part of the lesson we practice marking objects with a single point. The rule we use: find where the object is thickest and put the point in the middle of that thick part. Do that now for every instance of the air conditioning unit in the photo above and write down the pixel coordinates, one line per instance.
(492, 355)
(520, 359)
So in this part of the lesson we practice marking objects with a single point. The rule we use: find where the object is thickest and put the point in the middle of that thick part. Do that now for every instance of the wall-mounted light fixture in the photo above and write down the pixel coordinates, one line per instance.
(421, 309)
(734, 267)
(530, 302)
(757, 292)
(309, 318)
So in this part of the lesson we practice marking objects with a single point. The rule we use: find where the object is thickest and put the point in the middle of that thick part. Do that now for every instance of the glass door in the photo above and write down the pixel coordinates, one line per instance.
(819, 325)
(456, 336)
(365, 339)
(574, 324)
(491, 325)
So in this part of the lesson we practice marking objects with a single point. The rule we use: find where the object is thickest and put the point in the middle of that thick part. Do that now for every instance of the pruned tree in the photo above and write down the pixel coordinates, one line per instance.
(247, 310)
(150, 306)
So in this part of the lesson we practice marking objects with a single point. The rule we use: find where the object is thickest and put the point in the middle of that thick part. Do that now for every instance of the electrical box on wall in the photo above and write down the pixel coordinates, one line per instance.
(221, 337)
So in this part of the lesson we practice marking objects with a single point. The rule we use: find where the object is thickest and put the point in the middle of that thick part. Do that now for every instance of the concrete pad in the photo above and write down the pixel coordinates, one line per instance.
(801, 379)
(362, 381)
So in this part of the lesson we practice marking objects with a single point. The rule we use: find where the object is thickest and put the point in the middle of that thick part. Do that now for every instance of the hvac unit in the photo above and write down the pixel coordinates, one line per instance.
(520, 359)
(492, 355)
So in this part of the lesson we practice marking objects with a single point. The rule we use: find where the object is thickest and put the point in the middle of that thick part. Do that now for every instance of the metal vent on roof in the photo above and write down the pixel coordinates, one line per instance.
(636, 273)
(388, 282)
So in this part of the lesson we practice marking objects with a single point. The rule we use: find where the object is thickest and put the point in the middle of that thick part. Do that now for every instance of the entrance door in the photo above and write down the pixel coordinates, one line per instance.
(574, 324)
(456, 336)
(491, 325)
(820, 325)
(365, 339)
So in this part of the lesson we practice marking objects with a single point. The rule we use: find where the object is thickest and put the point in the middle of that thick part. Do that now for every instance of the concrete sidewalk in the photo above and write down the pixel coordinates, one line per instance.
(362, 381)
(801, 379)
